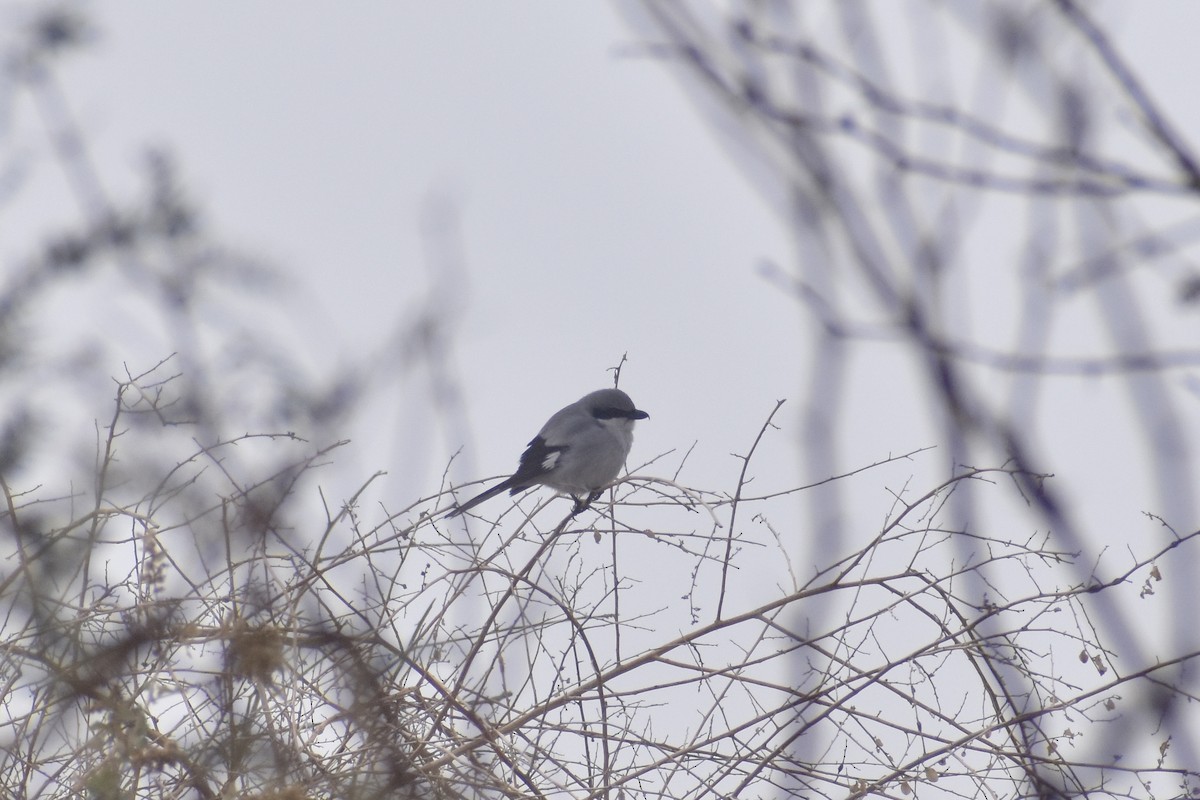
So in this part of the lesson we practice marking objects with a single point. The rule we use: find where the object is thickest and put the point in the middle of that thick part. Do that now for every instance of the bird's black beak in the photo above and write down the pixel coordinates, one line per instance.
(637, 413)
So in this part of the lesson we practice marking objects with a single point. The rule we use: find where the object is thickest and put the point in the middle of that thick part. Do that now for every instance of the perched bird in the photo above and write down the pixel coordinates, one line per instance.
(580, 450)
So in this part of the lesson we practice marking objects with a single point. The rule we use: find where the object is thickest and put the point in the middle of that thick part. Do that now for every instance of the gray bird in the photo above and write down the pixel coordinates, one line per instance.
(580, 450)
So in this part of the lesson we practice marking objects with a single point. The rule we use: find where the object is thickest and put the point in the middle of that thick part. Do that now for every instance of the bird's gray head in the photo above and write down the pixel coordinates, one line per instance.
(612, 404)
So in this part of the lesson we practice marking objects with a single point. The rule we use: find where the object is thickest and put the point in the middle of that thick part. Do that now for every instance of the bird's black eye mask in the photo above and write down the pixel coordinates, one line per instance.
(618, 413)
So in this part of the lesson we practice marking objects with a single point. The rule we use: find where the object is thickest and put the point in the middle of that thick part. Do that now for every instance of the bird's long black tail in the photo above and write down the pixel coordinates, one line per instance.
(511, 484)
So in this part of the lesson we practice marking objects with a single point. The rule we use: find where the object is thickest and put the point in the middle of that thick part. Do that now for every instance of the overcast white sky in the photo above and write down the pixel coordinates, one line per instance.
(599, 214)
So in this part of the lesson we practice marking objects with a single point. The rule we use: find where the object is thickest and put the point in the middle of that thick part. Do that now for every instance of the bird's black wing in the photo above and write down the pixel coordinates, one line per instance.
(537, 461)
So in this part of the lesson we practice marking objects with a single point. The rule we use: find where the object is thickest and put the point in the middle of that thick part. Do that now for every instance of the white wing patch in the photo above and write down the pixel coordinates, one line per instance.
(550, 460)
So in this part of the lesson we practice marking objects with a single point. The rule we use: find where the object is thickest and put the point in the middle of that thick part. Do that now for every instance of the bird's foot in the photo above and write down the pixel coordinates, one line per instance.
(584, 504)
